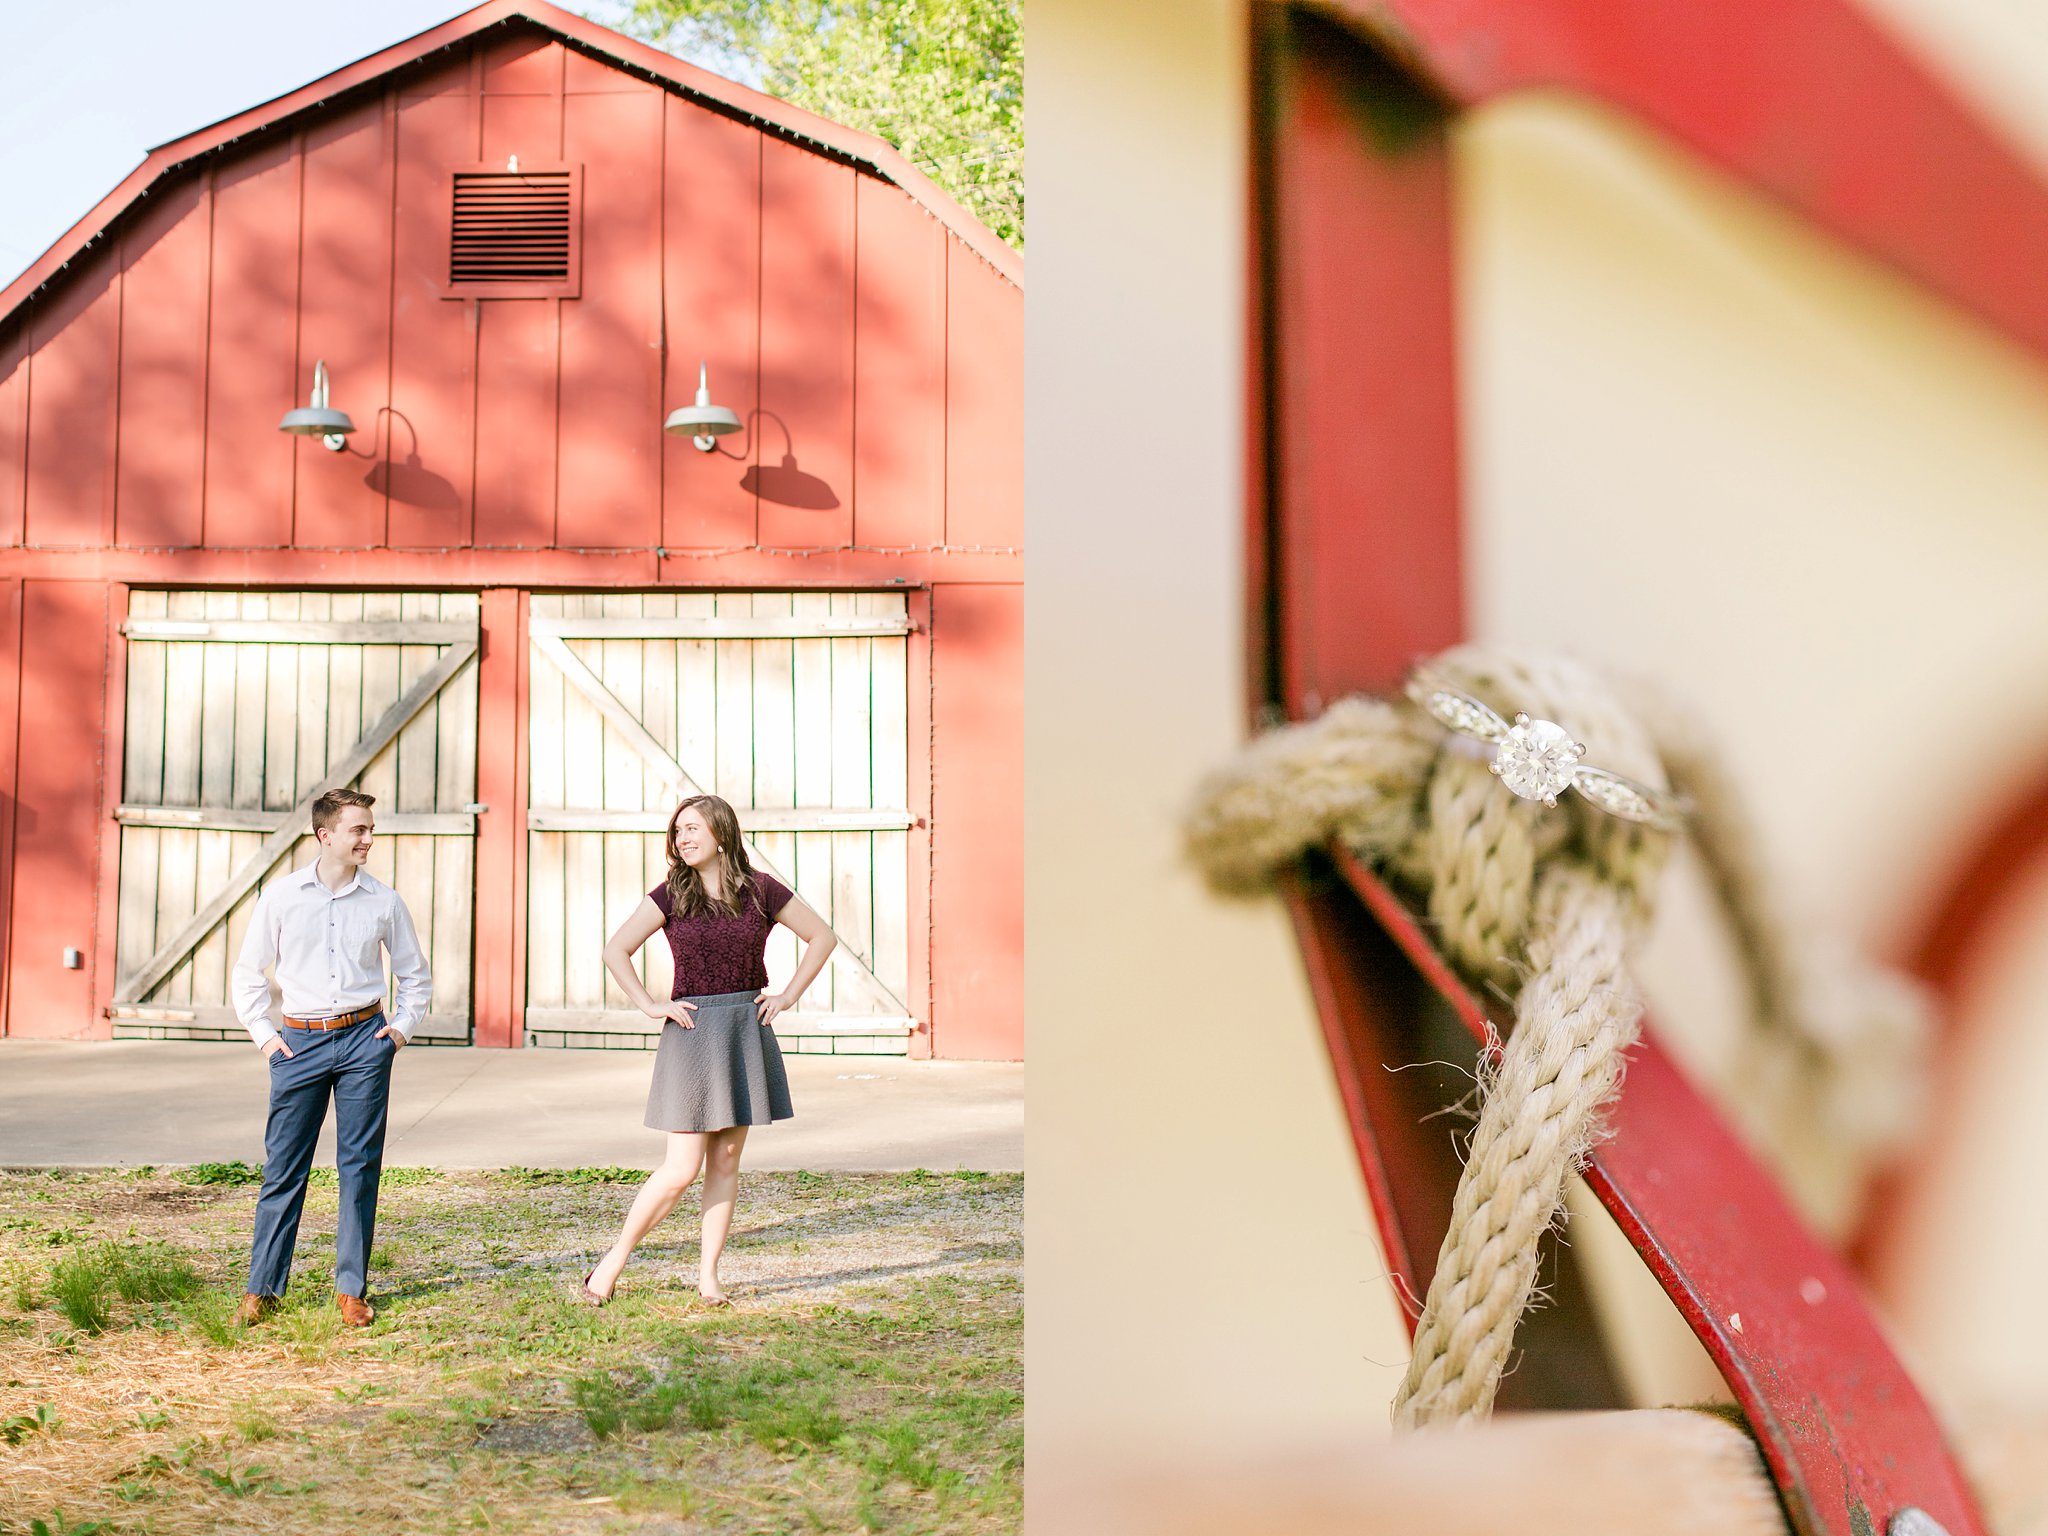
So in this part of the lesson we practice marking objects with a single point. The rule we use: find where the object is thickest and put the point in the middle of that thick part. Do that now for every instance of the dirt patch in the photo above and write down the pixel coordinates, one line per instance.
(164, 1200)
(548, 1434)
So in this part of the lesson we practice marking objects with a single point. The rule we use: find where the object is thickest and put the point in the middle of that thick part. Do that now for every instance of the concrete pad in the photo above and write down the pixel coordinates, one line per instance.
(66, 1103)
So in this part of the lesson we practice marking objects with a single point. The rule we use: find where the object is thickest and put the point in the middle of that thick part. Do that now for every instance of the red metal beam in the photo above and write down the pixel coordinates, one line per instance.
(1362, 368)
(1846, 1432)
(1848, 1438)
(1807, 101)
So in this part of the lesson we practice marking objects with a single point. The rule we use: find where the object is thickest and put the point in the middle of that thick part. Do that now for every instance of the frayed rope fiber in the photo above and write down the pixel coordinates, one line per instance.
(1546, 904)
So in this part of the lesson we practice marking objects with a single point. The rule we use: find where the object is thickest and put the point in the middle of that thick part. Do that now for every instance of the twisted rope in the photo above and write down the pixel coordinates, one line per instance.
(1514, 890)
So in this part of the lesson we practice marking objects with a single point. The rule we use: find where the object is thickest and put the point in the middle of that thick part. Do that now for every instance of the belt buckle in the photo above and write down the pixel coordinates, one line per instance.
(336, 1021)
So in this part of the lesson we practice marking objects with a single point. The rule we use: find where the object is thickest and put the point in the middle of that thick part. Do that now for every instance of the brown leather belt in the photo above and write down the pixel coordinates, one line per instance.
(339, 1021)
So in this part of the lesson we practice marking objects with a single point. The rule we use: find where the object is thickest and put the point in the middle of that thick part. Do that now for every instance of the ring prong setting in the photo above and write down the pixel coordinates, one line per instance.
(1539, 759)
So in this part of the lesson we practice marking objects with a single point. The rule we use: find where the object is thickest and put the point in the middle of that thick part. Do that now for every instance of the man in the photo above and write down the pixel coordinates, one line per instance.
(322, 928)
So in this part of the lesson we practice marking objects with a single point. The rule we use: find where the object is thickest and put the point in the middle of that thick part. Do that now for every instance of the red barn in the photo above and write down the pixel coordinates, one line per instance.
(507, 603)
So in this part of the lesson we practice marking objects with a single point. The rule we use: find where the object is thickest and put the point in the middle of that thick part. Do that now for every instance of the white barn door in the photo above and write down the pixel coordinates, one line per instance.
(794, 707)
(242, 707)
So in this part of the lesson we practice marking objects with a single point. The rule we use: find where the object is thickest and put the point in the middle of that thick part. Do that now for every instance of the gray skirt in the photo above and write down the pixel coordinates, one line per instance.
(725, 1071)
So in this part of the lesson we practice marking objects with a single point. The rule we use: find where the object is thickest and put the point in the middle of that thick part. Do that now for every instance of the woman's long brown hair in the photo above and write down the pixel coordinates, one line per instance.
(686, 894)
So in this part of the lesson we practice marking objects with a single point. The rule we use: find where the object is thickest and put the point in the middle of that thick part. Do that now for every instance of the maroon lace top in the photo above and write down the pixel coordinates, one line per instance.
(717, 954)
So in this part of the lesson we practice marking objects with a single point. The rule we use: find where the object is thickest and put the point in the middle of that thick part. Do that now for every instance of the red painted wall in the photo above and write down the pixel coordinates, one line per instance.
(510, 444)
(57, 810)
(977, 834)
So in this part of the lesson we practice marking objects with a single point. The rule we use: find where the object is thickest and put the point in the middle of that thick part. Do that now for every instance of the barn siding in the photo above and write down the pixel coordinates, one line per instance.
(251, 355)
(522, 424)
(503, 446)
(711, 313)
(344, 319)
(73, 387)
(429, 455)
(609, 441)
(805, 454)
(899, 386)
(57, 814)
(14, 355)
(10, 738)
(519, 340)
(162, 408)
(984, 406)
(977, 965)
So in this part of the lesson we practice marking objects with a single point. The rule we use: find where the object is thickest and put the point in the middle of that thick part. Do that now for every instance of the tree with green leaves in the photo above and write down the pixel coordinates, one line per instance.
(942, 80)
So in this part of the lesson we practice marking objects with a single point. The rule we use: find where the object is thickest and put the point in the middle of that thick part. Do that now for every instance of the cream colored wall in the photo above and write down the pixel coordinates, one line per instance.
(1706, 444)
(1699, 442)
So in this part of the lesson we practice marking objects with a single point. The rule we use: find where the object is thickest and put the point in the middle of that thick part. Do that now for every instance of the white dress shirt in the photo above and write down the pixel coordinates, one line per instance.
(325, 945)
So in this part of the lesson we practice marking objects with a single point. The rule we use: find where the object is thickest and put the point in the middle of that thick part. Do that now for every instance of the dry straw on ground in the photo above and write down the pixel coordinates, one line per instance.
(869, 1377)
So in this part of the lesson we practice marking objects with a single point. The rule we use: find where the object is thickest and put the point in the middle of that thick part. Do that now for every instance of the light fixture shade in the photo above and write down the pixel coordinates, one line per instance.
(702, 420)
(316, 421)
(316, 418)
(697, 421)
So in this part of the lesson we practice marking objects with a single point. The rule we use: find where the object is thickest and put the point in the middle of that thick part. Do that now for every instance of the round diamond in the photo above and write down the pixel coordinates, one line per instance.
(1536, 759)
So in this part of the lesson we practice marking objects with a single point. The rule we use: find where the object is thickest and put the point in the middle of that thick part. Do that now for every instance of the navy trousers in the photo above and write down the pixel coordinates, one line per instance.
(353, 1066)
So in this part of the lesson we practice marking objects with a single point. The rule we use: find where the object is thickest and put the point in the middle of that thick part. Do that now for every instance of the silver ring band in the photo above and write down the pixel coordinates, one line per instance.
(1539, 760)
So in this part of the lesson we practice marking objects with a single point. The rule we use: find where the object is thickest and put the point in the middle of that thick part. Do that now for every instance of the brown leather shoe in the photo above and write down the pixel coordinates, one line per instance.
(254, 1309)
(355, 1311)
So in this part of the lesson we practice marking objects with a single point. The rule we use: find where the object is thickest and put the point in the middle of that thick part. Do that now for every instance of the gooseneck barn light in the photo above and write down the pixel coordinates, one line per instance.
(317, 418)
(703, 423)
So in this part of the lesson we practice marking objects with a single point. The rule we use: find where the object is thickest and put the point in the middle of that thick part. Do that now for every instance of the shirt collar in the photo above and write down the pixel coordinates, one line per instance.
(310, 875)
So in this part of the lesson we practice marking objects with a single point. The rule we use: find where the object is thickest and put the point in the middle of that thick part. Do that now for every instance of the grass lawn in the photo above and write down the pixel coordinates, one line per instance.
(868, 1377)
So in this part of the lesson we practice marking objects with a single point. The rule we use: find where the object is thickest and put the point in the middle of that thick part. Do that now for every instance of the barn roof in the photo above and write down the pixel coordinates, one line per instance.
(168, 161)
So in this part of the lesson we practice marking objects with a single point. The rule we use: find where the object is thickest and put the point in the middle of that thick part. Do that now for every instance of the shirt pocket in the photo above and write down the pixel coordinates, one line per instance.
(362, 934)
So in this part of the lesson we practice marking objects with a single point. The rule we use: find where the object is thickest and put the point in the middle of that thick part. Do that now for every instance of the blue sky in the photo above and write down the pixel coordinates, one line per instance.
(88, 87)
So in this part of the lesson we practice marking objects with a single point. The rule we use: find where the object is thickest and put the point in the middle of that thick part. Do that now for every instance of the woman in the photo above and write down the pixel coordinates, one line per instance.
(718, 1069)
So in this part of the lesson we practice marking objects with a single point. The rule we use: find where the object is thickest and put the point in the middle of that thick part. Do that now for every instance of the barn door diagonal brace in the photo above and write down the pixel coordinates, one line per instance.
(291, 826)
(614, 710)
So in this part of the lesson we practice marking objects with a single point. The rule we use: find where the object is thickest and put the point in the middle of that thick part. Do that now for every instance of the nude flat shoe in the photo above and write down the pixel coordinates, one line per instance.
(590, 1298)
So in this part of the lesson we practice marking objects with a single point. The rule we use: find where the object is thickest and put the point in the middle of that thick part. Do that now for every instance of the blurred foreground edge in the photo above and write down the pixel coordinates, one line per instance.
(1661, 1472)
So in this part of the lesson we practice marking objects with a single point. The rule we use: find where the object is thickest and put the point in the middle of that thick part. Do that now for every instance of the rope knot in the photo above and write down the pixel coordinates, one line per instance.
(1544, 902)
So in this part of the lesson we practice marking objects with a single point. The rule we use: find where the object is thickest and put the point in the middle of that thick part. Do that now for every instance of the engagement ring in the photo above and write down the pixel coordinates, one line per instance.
(1539, 760)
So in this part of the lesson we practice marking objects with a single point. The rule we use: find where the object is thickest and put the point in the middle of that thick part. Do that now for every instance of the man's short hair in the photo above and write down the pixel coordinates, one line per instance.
(328, 808)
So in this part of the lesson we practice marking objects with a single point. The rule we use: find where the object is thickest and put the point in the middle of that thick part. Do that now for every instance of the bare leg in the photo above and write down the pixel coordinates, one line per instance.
(657, 1197)
(721, 1188)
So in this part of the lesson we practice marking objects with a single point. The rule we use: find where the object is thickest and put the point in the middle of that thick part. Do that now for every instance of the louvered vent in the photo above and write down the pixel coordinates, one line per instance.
(513, 232)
